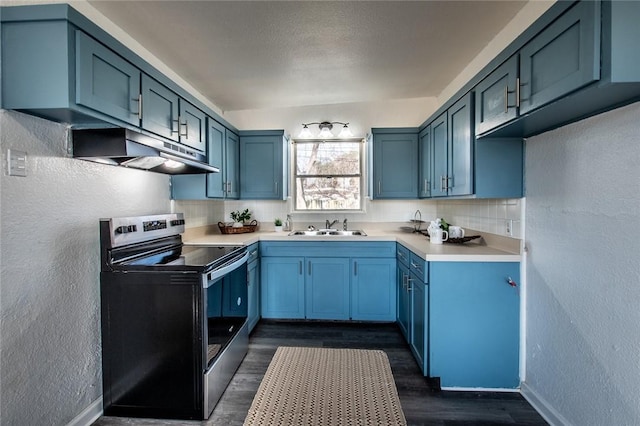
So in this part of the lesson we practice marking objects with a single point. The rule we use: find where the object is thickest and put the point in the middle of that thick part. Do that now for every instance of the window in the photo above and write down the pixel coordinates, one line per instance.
(328, 175)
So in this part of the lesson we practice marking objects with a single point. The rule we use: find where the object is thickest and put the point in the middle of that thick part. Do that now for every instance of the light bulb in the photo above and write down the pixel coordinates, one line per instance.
(345, 132)
(305, 132)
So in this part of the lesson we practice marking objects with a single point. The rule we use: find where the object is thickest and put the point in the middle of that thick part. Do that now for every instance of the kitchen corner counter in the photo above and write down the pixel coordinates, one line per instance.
(417, 243)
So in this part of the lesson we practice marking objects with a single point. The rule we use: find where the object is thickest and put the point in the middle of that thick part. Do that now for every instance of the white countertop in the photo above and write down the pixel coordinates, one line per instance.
(417, 243)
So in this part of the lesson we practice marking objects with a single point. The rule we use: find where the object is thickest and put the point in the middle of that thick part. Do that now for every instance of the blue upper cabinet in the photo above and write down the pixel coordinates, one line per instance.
(160, 109)
(496, 97)
(192, 126)
(562, 58)
(424, 173)
(223, 153)
(439, 155)
(105, 82)
(58, 65)
(263, 165)
(452, 150)
(232, 165)
(461, 137)
(395, 163)
(216, 186)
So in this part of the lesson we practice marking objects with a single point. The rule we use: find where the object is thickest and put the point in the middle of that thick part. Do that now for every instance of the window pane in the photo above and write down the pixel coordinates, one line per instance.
(328, 158)
(328, 193)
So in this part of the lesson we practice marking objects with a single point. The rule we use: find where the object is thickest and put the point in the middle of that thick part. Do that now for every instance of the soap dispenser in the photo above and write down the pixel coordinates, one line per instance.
(288, 224)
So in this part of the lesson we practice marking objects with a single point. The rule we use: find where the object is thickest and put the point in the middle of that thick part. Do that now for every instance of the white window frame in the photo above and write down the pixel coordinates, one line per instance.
(360, 175)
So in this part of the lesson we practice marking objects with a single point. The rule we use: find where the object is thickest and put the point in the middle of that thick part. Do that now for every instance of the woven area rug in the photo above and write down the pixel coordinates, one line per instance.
(320, 386)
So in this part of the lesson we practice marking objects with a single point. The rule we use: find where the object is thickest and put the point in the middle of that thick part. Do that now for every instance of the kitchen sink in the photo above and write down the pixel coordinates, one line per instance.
(329, 232)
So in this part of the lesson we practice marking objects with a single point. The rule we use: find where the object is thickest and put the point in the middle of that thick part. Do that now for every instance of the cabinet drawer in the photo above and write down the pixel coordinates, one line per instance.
(254, 252)
(402, 255)
(419, 266)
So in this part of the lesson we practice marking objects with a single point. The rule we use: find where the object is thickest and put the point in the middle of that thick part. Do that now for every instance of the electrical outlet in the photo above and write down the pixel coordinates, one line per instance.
(509, 227)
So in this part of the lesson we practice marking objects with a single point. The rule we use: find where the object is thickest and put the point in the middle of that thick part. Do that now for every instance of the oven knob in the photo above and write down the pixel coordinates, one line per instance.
(126, 229)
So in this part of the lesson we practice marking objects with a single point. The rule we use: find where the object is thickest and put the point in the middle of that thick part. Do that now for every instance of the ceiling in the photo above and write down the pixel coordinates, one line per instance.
(266, 54)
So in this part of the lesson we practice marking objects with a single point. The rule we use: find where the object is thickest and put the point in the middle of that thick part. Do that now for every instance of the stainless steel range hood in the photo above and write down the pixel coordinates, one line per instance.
(127, 148)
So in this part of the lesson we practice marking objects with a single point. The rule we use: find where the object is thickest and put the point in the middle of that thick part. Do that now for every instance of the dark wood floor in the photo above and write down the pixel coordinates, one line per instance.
(422, 405)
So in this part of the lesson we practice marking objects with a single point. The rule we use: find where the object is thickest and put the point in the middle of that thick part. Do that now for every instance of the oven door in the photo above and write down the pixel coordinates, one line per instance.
(225, 328)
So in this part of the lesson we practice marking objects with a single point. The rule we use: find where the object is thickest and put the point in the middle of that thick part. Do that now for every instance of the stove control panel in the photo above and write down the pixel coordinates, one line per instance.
(136, 229)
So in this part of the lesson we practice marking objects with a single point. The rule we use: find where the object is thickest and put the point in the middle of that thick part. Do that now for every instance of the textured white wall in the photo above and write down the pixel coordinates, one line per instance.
(583, 273)
(49, 269)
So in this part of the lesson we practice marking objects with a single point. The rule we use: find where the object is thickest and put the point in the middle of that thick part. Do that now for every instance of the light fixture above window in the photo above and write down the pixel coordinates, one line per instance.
(325, 130)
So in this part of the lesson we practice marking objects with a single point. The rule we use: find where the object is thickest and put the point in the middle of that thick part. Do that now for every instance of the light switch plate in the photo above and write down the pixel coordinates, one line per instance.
(16, 162)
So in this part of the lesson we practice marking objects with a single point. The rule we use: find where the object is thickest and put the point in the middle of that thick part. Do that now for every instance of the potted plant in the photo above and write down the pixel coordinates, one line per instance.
(278, 224)
(240, 217)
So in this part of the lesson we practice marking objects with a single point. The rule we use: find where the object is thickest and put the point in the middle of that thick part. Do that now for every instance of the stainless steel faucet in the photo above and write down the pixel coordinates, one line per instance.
(344, 224)
(328, 224)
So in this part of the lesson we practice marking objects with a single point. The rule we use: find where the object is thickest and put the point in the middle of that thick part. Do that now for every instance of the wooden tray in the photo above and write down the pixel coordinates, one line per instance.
(251, 227)
(462, 240)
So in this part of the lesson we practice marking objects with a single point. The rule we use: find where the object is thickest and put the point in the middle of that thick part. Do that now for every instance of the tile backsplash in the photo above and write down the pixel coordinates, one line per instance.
(489, 216)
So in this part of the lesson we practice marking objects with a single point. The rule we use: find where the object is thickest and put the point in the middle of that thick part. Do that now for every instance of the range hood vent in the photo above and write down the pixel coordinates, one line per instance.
(131, 149)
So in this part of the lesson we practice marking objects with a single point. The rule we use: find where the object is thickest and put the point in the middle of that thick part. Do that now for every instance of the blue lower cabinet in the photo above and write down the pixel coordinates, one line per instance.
(373, 290)
(282, 287)
(326, 282)
(253, 287)
(327, 288)
(419, 316)
(403, 303)
(474, 322)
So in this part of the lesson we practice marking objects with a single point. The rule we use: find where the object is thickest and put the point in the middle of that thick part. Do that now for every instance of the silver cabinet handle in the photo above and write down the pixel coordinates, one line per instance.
(177, 123)
(300, 267)
(409, 280)
(506, 98)
(253, 252)
(139, 101)
(309, 263)
(186, 127)
(425, 186)
(442, 188)
(379, 187)
(276, 185)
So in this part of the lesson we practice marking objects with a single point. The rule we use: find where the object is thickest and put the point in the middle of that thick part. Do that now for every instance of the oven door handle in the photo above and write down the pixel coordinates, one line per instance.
(221, 272)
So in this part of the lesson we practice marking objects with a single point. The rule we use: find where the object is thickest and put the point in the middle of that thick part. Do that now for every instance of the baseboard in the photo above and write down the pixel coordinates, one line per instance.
(462, 389)
(88, 415)
(543, 407)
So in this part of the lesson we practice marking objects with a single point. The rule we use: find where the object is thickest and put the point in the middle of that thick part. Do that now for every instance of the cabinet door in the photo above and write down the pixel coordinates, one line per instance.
(232, 165)
(261, 172)
(373, 289)
(216, 182)
(327, 288)
(474, 324)
(439, 146)
(460, 150)
(253, 290)
(404, 301)
(192, 126)
(562, 58)
(159, 109)
(106, 82)
(496, 97)
(395, 166)
(425, 163)
(282, 287)
(419, 316)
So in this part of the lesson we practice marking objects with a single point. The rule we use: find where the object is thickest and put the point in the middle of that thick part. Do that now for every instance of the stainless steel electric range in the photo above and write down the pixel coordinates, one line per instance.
(174, 318)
